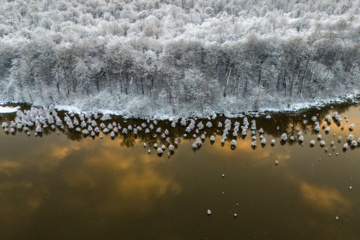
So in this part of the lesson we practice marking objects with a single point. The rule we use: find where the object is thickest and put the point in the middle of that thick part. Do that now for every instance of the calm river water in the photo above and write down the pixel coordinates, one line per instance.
(66, 186)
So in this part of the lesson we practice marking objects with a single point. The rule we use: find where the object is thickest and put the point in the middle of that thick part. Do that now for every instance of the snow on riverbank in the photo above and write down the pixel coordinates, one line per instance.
(163, 115)
(7, 109)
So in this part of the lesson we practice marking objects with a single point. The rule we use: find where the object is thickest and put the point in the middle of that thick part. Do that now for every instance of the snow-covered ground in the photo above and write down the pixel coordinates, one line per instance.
(7, 109)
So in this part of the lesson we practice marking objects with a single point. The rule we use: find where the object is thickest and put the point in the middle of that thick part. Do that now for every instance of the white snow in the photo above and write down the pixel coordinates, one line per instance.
(8, 109)
(150, 36)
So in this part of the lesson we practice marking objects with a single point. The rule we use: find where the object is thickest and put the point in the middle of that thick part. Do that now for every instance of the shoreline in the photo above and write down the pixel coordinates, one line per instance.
(10, 107)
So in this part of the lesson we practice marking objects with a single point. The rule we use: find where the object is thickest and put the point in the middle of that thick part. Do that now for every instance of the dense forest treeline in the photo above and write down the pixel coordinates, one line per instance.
(176, 58)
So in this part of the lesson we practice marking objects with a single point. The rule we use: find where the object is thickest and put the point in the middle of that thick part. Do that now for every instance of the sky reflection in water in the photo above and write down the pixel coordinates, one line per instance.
(55, 188)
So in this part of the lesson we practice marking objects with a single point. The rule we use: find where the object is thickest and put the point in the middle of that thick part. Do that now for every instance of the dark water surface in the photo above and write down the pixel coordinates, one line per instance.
(64, 186)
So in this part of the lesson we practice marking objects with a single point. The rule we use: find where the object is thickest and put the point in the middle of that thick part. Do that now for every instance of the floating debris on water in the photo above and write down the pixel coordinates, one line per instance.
(160, 151)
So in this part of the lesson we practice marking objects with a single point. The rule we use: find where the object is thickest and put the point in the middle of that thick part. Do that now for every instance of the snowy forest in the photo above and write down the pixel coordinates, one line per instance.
(178, 57)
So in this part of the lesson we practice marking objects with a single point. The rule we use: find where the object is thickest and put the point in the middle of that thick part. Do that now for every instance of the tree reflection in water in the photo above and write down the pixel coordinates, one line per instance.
(96, 189)
(279, 123)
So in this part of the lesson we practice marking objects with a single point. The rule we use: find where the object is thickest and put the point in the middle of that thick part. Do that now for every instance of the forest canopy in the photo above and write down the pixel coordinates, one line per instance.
(178, 57)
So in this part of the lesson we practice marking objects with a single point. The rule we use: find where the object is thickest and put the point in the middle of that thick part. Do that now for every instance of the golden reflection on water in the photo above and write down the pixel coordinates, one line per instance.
(259, 155)
(352, 118)
(55, 179)
(324, 198)
(85, 176)
(9, 167)
(62, 152)
(133, 182)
